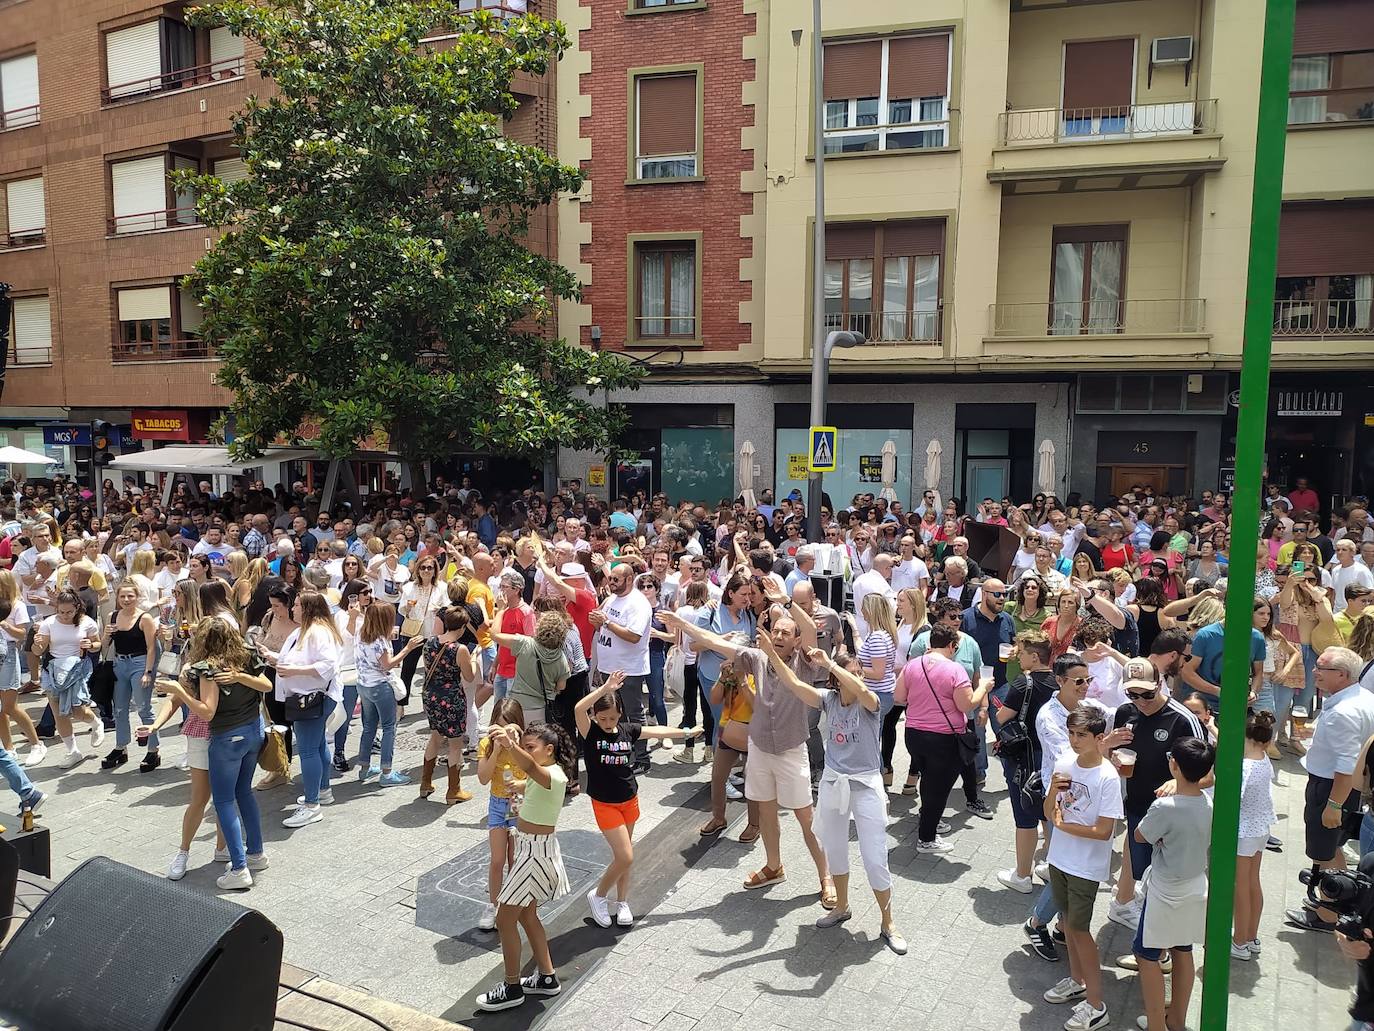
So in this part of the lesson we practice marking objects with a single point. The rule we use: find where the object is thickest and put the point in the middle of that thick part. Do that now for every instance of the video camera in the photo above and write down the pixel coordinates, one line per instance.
(1351, 895)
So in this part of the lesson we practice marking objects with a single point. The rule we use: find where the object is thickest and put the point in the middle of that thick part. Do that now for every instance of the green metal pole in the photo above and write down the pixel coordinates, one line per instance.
(1270, 140)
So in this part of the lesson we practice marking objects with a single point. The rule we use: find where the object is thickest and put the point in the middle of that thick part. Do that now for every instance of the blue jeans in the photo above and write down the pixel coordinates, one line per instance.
(713, 725)
(379, 709)
(1366, 834)
(233, 758)
(130, 685)
(488, 660)
(658, 709)
(15, 776)
(350, 702)
(314, 753)
(1309, 670)
(1045, 910)
(1266, 698)
(500, 686)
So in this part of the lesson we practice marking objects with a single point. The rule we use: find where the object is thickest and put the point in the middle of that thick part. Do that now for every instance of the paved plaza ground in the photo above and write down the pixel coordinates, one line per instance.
(381, 896)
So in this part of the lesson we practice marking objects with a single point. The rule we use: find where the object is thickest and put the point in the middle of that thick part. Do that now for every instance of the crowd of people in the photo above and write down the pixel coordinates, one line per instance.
(543, 637)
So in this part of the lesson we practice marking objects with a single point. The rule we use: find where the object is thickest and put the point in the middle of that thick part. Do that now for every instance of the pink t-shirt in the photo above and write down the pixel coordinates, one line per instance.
(923, 710)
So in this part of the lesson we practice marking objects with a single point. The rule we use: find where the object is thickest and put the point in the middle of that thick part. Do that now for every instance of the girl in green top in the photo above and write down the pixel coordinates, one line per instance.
(545, 752)
(1027, 611)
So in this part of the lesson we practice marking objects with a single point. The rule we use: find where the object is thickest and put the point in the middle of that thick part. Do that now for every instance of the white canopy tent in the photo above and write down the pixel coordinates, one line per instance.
(196, 461)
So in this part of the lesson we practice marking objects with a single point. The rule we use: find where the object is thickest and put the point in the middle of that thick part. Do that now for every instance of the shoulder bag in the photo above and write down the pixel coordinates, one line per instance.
(1013, 737)
(967, 739)
(272, 757)
(412, 626)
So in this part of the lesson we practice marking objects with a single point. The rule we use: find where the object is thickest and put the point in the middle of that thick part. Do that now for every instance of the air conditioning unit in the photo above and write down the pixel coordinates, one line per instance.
(1172, 50)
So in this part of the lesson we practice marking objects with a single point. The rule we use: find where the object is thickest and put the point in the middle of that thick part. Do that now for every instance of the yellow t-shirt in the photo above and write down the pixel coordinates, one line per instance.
(98, 582)
(480, 594)
(498, 777)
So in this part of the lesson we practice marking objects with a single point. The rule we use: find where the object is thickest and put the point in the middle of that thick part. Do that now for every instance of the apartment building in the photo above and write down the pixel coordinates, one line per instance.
(99, 101)
(1037, 213)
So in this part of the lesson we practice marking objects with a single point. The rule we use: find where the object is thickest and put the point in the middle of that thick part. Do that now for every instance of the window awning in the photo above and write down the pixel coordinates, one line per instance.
(206, 461)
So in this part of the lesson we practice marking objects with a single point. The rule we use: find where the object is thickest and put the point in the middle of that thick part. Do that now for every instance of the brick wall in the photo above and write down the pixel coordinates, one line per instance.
(619, 42)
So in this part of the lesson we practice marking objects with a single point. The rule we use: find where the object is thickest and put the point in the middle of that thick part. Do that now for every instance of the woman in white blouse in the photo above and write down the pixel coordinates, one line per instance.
(421, 601)
(308, 663)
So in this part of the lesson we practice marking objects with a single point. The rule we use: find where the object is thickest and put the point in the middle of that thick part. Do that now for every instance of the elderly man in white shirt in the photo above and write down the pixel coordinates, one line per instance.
(1346, 571)
(877, 580)
(909, 570)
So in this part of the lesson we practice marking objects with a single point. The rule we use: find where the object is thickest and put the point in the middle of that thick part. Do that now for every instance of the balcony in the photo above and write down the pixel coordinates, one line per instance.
(1108, 148)
(1087, 332)
(1320, 320)
(170, 350)
(19, 117)
(1352, 105)
(921, 326)
(151, 221)
(182, 78)
(28, 238)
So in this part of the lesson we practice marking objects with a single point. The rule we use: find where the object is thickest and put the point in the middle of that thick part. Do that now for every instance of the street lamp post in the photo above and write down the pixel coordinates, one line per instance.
(820, 383)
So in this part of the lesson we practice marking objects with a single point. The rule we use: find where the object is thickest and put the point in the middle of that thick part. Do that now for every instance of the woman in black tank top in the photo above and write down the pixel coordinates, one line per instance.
(1149, 599)
(132, 636)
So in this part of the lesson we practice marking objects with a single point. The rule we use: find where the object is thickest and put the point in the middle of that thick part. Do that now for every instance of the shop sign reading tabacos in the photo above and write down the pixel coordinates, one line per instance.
(161, 424)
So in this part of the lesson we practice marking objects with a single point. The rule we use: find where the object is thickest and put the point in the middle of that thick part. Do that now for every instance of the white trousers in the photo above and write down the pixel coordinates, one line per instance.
(868, 808)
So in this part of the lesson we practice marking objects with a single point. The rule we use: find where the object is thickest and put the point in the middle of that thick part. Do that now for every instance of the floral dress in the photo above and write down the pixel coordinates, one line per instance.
(445, 701)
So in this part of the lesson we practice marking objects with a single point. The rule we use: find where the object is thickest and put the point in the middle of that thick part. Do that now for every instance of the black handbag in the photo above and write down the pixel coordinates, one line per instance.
(1013, 737)
(304, 706)
(101, 684)
(967, 739)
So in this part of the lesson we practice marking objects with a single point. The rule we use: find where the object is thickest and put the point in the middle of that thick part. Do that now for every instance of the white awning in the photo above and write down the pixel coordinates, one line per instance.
(206, 461)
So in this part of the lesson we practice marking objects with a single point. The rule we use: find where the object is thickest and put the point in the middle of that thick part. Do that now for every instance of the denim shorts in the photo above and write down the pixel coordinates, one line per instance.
(499, 814)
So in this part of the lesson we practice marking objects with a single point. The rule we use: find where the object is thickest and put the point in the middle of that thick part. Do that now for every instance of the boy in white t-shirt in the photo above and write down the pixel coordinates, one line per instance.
(1083, 802)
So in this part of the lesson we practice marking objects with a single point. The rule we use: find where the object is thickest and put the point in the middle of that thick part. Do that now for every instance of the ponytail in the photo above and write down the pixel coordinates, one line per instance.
(564, 752)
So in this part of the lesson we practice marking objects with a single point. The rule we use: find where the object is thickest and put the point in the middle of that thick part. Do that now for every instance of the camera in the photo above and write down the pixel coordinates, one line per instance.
(1351, 895)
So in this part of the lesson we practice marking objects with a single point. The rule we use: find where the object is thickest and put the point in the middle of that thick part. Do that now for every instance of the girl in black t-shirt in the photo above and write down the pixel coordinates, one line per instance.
(608, 750)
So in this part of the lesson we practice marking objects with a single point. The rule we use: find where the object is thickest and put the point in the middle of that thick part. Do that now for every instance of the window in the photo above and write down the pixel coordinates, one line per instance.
(144, 198)
(887, 94)
(1099, 87)
(1325, 282)
(25, 212)
(19, 91)
(1089, 267)
(883, 280)
(667, 144)
(31, 331)
(666, 293)
(1331, 79)
(164, 54)
(1204, 393)
(133, 60)
(158, 322)
(654, 5)
(230, 170)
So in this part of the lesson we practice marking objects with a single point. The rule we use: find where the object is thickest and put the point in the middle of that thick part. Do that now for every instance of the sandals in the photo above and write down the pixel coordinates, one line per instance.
(763, 876)
(749, 835)
(829, 900)
(711, 827)
(910, 789)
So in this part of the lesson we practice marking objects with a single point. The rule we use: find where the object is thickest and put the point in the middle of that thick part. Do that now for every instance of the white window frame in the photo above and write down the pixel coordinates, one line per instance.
(938, 124)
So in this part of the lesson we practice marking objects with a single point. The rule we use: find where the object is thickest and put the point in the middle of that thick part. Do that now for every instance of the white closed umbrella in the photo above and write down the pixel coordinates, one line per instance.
(10, 455)
(1045, 480)
(889, 491)
(746, 474)
(933, 453)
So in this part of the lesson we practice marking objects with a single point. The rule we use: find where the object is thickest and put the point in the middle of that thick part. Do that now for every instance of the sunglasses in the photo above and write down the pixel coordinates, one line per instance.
(1141, 696)
(996, 594)
(1080, 681)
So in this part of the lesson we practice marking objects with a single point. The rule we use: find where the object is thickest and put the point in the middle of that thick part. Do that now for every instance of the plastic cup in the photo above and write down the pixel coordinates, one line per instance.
(1125, 756)
(142, 736)
(1004, 652)
(986, 672)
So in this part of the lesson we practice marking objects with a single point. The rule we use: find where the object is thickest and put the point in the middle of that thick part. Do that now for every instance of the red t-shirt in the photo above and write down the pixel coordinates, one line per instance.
(1113, 558)
(513, 621)
(579, 608)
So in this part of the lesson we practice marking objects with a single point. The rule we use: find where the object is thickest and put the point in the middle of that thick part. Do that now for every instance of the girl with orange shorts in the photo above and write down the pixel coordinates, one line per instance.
(608, 752)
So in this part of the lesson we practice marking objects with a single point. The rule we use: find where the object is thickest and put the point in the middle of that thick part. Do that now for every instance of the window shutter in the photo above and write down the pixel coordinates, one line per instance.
(906, 239)
(224, 47)
(19, 88)
(852, 70)
(140, 194)
(133, 59)
(1333, 27)
(918, 66)
(24, 201)
(192, 315)
(1099, 74)
(32, 330)
(145, 303)
(667, 111)
(230, 170)
(848, 242)
(1330, 239)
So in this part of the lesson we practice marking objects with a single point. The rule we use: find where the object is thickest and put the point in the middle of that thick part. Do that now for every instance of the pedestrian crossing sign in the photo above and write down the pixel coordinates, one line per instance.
(822, 458)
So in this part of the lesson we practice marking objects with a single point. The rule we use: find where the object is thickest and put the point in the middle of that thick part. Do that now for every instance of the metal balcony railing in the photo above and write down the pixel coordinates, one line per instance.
(148, 221)
(1325, 106)
(920, 326)
(1098, 124)
(19, 117)
(1074, 318)
(160, 350)
(28, 238)
(1343, 318)
(197, 75)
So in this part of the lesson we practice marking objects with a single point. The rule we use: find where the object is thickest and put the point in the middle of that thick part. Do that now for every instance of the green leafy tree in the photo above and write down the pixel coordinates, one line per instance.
(374, 276)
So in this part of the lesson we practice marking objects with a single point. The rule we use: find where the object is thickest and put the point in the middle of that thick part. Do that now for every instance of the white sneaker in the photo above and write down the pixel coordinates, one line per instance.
(937, 847)
(184, 763)
(235, 880)
(943, 827)
(1254, 946)
(221, 855)
(1085, 1018)
(97, 732)
(326, 798)
(73, 758)
(1009, 879)
(303, 815)
(36, 754)
(1126, 914)
(599, 908)
(623, 916)
(177, 870)
(487, 921)
(686, 754)
(733, 793)
(1065, 991)
(1042, 871)
(258, 862)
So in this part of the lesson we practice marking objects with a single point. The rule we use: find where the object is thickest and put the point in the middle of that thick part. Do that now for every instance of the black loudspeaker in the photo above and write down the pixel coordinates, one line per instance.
(116, 949)
(829, 590)
(9, 880)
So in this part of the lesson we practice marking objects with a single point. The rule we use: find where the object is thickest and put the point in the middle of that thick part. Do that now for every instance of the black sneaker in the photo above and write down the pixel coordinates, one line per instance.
(1057, 935)
(342, 764)
(1308, 920)
(979, 808)
(115, 759)
(1040, 942)
(1274, 844)
(502, 997)
(150, 762)
(540, 984)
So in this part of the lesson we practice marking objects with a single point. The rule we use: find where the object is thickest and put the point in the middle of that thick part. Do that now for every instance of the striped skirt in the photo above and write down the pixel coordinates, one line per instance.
(537, 874)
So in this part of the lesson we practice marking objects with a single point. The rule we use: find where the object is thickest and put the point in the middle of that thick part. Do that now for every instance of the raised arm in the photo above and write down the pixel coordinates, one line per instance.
(701, 635)
(795, 684)
(852, 688)
(583, 710)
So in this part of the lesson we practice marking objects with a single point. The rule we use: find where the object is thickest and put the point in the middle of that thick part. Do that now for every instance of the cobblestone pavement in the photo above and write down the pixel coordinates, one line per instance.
(371, 898)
